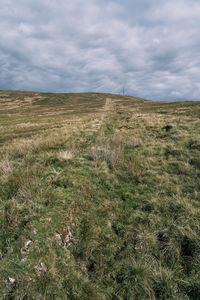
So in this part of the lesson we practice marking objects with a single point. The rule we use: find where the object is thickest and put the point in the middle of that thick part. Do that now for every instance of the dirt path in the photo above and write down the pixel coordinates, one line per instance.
(106, 112)
(109, 106)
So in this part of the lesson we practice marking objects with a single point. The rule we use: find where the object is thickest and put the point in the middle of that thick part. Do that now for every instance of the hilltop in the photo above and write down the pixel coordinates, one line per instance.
(99, 197)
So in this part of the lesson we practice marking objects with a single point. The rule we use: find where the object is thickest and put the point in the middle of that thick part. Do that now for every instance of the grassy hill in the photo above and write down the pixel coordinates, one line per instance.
(99, 197)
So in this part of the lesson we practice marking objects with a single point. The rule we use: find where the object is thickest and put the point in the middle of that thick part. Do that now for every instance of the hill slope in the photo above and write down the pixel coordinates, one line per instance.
(99, 197)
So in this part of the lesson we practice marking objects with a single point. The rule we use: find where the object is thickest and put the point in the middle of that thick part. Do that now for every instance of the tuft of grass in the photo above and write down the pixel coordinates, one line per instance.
(6, 167)
(112, 156)
(65, 155)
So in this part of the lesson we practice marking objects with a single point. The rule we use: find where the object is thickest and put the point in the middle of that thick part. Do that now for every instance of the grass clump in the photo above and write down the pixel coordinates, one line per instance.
(111, 155)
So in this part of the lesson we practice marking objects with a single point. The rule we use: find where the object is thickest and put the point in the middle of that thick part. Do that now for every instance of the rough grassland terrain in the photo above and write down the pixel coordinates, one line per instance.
(99, 197)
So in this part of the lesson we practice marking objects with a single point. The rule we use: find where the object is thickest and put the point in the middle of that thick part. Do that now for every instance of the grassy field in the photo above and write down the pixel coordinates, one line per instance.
(99, 197)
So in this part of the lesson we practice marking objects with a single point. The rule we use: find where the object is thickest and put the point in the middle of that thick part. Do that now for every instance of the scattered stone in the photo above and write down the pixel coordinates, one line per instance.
(47, 219)
(26, 247)
(23, 260)
(27, 244)
(68, 237)
(59, 238)
(41, 269)
(11, 280)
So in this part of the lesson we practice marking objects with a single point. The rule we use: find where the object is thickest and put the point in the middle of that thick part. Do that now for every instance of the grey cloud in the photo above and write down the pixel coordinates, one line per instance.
(150, 48)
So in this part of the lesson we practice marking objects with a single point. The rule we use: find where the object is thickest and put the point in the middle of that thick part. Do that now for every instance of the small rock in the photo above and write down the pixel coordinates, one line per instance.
(11, 280)
(59, 238)
(23, 260)
(25, 248)
(28, 243)
(41, 268)
(68, 237)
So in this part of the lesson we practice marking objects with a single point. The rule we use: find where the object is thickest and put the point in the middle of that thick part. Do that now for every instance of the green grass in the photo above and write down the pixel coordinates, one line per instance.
(99, 197)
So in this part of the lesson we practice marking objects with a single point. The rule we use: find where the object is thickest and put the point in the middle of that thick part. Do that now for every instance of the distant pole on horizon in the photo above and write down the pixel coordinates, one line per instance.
(123, 91)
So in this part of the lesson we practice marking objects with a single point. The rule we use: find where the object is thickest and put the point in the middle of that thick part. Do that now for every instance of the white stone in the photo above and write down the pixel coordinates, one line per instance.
(11, 280)
(28, 243)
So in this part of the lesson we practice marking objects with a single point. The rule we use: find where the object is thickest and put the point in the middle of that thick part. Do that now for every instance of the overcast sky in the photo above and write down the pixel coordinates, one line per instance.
(149, 47)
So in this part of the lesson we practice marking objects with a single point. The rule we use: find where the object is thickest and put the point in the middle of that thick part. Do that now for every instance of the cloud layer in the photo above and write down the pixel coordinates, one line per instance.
(149, 47)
